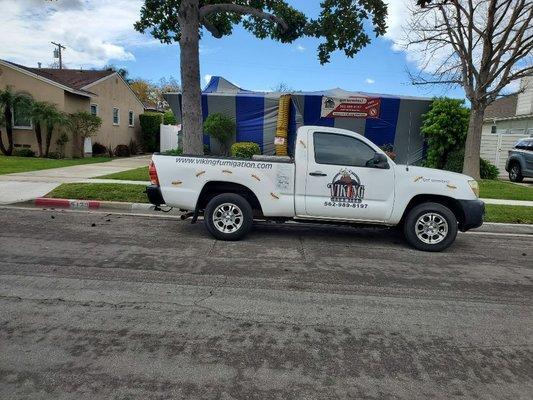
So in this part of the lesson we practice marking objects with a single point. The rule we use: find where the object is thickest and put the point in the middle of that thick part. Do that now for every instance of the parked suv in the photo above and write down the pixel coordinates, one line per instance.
(520, 161)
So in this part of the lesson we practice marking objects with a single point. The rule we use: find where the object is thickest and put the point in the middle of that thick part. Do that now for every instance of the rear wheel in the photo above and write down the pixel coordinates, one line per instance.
(228, 216)
(430, 227)
(515, 173)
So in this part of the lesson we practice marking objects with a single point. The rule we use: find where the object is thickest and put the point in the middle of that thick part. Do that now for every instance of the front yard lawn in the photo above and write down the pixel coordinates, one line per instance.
(137, 174)
(509, 214)
(11, 164)
(494, 189)
(101, 191)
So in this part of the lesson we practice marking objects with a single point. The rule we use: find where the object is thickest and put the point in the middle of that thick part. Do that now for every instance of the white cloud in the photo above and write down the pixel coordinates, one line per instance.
(300, 48)
(207, 78)
(370, 81)
(95, 32)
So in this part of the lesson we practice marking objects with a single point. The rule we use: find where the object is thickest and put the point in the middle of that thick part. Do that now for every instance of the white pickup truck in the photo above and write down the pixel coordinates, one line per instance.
(336, 176)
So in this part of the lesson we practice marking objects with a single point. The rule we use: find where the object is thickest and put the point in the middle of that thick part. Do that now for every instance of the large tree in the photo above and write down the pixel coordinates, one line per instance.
(10, 101)
(340, 26)
(481, 45)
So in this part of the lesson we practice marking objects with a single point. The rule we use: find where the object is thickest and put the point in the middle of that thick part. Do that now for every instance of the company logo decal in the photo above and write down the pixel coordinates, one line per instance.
(346, 190)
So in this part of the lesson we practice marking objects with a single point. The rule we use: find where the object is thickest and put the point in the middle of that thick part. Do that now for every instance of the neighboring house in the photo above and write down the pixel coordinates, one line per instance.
(507, 120)
(103, 93)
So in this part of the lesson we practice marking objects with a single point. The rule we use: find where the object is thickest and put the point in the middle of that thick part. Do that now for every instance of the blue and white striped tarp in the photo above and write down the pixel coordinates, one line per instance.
(255, 113)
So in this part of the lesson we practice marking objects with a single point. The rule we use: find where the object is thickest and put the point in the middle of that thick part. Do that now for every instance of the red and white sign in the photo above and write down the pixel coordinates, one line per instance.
(350, 107)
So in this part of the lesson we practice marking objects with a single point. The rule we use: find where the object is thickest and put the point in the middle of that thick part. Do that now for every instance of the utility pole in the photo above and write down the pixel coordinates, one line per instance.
(57, 53)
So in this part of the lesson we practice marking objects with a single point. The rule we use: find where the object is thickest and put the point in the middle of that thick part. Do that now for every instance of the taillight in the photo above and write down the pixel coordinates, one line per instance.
(154, 180)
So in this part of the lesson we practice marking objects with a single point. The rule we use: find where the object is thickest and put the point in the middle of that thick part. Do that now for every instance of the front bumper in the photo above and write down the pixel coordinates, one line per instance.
(473, 211)
(154, 195)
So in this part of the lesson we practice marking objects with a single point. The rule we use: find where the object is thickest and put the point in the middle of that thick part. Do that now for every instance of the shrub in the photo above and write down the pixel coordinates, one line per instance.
(444, 126)
(24, 152)
(122, 150)
(135, 148)
(169, 118)
(61, 141)
(220, 127)
(55, 155)
(99, 149)
(150, 123)
(455, 164)
(110, 152)
(173, 152)
(84, 125)
(245, 149)
(488, 170)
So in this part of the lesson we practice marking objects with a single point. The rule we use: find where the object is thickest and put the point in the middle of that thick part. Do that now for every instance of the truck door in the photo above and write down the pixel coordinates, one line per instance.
(339, 185)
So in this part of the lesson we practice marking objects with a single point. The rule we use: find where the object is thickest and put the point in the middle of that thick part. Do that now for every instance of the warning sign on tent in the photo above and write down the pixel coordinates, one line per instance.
(351, 107)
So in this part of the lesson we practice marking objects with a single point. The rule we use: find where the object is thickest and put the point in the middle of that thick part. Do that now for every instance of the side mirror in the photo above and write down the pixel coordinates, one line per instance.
(379, 161)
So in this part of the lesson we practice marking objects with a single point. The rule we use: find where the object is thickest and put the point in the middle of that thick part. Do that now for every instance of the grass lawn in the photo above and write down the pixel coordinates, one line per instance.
(509, 214)
(11, 164)
(101, 191)
(137, 174)
(494, 189)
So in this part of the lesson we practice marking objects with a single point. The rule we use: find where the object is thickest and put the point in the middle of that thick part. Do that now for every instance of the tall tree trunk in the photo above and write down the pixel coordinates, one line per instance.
(9, 130)
(39, 136)
(473, 141)
(49, 132)
(2, 146)
(190, 77)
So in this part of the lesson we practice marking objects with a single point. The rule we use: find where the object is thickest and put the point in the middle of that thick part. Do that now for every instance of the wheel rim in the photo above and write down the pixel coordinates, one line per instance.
(431, 228)
(227, 218)
(514, 172)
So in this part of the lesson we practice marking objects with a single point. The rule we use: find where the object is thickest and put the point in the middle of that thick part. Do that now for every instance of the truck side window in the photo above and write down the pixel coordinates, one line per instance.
(332, 148)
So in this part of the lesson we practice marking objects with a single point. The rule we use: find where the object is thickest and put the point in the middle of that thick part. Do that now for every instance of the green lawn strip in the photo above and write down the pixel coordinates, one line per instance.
(509, 214)
(101, 191)
(11, 164)
(494, 189)
(137, 174)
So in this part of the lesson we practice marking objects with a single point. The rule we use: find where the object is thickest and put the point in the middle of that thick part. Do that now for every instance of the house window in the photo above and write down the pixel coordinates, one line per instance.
(493, 129)
(131, 118)
(116, 116)
(94, 109)
(21, 119)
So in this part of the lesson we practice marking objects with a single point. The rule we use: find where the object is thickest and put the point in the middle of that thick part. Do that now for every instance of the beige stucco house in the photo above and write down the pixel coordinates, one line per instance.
(103, 93)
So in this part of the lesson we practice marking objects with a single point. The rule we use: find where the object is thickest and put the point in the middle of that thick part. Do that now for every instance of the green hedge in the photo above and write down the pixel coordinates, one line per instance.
(150, 131)
(169, 118)
(455, 160)
(244, 149)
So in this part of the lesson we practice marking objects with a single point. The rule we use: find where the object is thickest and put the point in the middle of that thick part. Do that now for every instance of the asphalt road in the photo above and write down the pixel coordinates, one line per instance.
(96, 306)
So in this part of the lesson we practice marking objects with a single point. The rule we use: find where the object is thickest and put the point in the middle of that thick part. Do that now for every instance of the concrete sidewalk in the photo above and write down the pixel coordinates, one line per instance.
(509, 202)
(24, 186)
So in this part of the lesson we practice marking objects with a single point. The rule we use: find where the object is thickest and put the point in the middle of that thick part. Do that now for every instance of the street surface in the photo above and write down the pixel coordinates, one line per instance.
(104, 306)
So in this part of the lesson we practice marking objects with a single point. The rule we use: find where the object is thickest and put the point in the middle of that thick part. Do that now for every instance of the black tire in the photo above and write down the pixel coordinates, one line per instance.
(515, 172)
(244, 221)
(443, 213)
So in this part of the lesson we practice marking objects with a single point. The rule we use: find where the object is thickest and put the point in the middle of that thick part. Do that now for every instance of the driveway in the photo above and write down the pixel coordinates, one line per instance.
(25, 186)
(104, 306)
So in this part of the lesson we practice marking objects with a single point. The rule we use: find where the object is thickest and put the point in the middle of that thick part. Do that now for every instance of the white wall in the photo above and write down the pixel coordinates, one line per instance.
(524, 104)
(170, 139)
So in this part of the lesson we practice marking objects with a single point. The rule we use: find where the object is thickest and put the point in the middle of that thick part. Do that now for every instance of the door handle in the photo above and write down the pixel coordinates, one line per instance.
(318, 173)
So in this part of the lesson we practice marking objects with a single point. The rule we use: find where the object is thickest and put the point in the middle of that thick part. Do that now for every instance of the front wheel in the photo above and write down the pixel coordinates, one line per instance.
(228, 216)
(515, 173)
(430, 227)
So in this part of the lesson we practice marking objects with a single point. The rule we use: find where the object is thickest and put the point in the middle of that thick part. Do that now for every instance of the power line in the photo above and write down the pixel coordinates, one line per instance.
(57, 53)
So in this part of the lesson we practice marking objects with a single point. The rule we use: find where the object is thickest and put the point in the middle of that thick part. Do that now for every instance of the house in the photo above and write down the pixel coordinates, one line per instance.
(506, 120)
(103, 93)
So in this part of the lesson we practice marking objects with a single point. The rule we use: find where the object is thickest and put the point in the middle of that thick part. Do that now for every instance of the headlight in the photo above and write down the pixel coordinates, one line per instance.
(475, 187)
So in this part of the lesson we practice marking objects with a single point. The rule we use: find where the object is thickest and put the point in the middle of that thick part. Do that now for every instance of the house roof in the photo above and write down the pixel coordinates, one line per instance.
(504, 107)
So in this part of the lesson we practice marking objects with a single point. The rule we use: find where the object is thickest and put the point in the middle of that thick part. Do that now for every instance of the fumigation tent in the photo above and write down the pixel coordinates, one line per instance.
(385, 119)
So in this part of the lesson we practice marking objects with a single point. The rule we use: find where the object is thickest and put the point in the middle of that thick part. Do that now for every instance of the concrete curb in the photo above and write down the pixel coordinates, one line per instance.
(140, 208)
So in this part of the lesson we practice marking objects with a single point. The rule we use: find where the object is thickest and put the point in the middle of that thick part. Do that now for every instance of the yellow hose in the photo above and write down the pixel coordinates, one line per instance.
(282, 129)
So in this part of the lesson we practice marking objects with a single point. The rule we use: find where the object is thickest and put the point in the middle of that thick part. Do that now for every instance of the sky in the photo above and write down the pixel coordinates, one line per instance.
(100, 32)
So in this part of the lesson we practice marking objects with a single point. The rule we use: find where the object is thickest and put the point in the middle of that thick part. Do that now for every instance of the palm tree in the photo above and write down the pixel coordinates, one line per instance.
(8, 101)
(54, 119)
(40, 112)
